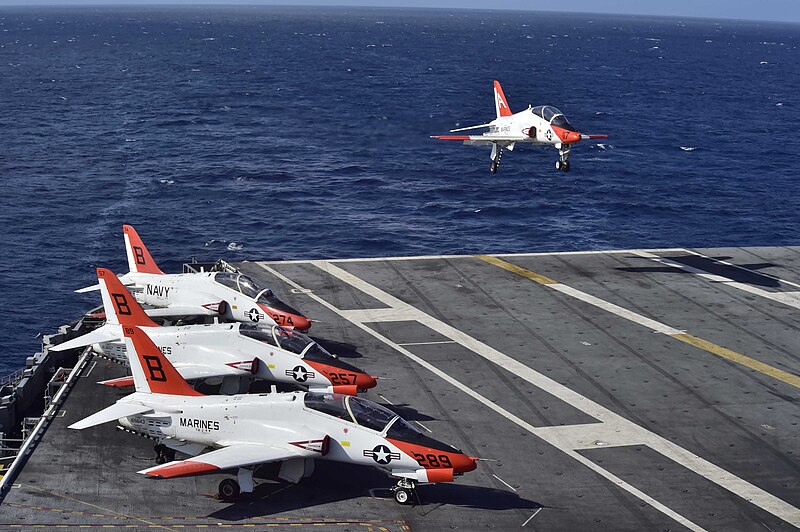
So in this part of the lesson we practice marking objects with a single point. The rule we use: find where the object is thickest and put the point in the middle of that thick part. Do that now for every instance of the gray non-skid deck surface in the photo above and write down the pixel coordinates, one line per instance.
(741, 420)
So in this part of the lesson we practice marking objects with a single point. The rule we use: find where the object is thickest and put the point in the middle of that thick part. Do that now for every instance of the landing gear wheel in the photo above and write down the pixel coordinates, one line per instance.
(161, 453)
(229, 489)
(558, 165)
(402, 495)
(494, 166)
(565, 166)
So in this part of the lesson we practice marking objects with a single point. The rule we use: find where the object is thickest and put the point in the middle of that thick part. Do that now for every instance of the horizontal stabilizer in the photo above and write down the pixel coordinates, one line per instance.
(111, 413)
(119, 382)
(106, 333)
(92, 288)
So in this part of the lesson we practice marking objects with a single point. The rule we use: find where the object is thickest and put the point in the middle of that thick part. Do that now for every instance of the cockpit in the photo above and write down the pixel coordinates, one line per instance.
(372, 416)
(249, 287)
(294, 342)
(353, 409)
(553, 116)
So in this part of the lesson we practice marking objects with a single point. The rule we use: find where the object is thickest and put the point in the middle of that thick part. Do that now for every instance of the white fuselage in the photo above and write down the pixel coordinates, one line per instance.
(199, 290)
(189, 424)
(221, 350)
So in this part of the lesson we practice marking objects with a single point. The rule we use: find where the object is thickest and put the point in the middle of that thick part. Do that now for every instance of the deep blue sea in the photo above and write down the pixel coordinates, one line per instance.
(265, 133)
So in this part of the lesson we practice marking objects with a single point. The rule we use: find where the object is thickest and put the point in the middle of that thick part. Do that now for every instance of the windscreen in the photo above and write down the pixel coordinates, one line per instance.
(369, 414)
(401, 430)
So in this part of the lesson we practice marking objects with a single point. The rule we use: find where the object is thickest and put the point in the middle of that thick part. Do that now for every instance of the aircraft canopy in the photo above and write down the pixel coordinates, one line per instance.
(553, 116)
(354, 409)
(249, 287)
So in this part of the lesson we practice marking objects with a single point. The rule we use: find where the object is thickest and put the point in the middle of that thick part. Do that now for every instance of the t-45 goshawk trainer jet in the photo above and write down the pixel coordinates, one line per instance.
(541, 125)
(292, 428)
(233, 352)
(228, 295)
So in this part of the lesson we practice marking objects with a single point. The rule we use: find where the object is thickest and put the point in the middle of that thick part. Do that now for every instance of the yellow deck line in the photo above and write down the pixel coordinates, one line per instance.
(705, 345)
(541, 279)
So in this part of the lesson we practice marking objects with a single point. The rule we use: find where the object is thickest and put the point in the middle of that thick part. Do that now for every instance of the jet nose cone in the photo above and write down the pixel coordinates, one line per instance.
(365, 382)
(301, 323)
(463, 463)
(573, 136)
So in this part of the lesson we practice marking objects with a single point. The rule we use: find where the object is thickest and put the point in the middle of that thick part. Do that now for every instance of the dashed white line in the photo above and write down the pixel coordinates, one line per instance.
(506, 483)
(423, 426)
(532, 516)
(385, 399)
(428, 343)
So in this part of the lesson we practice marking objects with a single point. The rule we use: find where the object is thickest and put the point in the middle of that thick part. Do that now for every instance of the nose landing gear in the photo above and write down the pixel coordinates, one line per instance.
(563, 158)
(404, 491)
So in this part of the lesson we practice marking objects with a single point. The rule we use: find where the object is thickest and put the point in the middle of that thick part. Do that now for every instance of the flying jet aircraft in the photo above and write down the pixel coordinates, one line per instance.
(292, 428)
(233, 352)
(543, 125)
(229, 295)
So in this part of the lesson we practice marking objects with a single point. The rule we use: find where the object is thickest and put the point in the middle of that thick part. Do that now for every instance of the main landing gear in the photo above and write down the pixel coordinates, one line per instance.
(230, 489)
(163, 453)
(404, 491)
(563, 158)
(497, 154)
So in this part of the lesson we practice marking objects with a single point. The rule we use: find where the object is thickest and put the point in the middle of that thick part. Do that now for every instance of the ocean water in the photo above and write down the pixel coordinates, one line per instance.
(265, 133)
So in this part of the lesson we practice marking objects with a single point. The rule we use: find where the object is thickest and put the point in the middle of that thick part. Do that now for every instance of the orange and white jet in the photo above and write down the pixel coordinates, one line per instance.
(240, 432)
(232, 296)
(543, 125)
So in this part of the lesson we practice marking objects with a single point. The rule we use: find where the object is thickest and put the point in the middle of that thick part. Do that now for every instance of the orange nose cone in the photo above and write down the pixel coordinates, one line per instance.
(365, 382)
(463, 463)
(573, 136)
(286, 319)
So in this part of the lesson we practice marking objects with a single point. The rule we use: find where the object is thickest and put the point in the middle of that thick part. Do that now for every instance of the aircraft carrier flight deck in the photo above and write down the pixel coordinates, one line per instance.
(619, 390)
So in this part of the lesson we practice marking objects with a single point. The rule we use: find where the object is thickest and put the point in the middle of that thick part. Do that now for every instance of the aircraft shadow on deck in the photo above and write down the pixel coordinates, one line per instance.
(327, 486)
(340, 349)
(712, 266)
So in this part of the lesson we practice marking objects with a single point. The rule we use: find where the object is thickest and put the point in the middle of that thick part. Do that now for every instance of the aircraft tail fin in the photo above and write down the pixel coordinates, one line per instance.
(139, 259)
(500, 102)
(152, 371)
(120, 306)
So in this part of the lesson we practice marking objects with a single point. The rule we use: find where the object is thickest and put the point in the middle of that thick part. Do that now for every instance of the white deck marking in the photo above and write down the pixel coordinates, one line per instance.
(429, 343)
(532, 516)
(612, 424)
(385, 399)
(507, 484)
(423, 426)
(791, 299)
(726, 263)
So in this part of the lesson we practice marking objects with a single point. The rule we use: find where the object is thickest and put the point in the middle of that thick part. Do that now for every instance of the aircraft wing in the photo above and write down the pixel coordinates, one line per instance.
(482, 139)
(233, 456)
(106, 333)
(191, 371)
(112, 413)
(180, 311)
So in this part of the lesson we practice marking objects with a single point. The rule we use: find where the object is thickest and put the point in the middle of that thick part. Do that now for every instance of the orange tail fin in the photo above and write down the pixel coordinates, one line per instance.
(500, 102)
(139, 259)
(120, 305)
(152, 371)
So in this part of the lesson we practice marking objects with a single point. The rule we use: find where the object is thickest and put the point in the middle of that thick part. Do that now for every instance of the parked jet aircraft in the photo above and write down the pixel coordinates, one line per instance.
(293, 429)
(541, 125)
(234, 352)
(230, 295)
